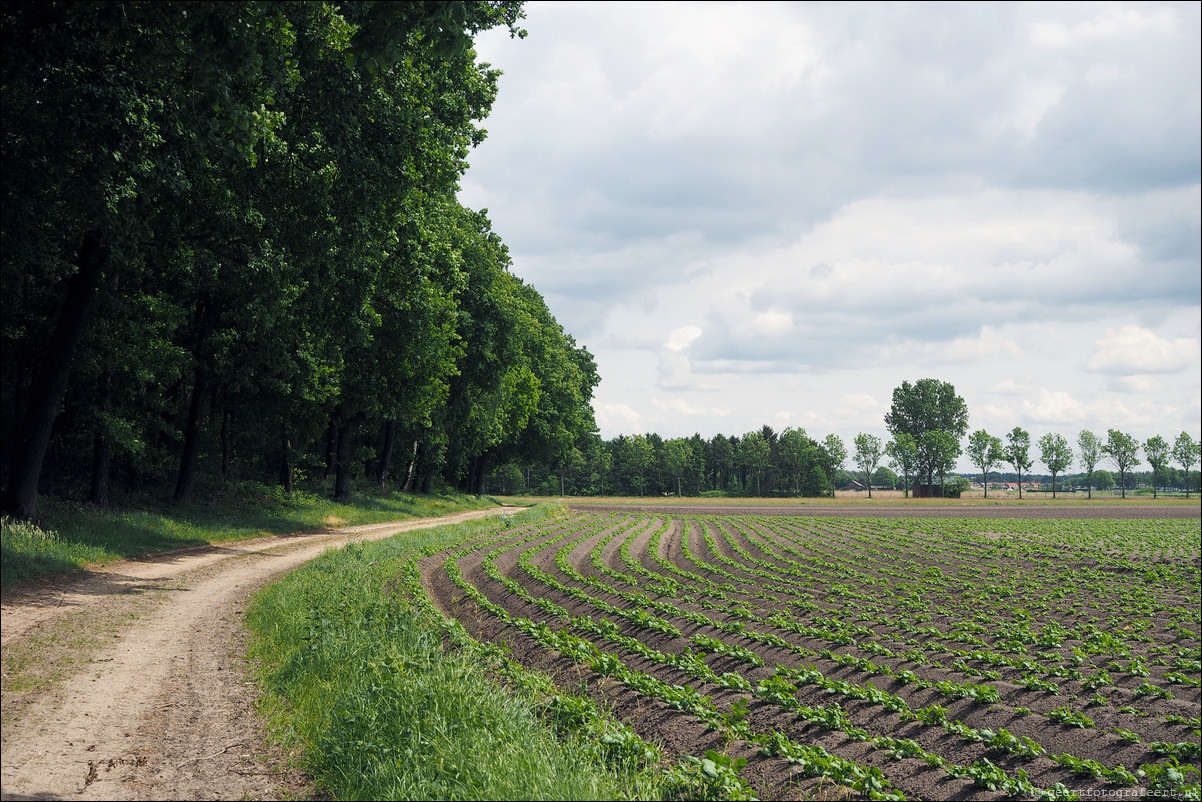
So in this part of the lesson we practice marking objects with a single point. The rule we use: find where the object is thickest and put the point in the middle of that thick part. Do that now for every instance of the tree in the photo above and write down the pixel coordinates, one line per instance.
(985, 451)
(755, 454)
(797, 454)
(678, 456)
(942, 449)
(904, 456)
(868, 453)
(1089, 447)
(1186, 454)
(1103, 479)
(927, 406)
(1018, 443)
(641, 456)
(883, 477)
(1156, 452)
(1123, 451)
(1056, 453)
(833, 454)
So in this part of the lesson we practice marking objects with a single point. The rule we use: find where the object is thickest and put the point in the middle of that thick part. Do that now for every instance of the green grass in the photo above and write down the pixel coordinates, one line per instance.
(356, 674)
(73, 535)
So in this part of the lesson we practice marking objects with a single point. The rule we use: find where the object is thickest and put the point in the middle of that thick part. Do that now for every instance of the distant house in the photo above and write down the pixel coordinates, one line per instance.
(854, 485)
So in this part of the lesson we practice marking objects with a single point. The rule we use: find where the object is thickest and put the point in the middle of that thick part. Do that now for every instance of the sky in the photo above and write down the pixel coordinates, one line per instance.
(777, 213)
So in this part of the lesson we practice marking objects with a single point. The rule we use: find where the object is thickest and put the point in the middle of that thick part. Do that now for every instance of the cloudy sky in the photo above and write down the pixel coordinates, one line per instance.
(776, 213)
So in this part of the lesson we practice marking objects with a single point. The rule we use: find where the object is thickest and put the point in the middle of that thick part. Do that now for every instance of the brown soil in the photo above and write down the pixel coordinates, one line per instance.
(134, 678)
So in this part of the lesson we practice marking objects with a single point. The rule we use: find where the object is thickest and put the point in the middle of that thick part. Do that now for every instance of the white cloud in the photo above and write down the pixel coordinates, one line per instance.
(860, 402)
(1105, 23)
(1011, 387)
(617, 418)
(678, 406)
(1134, 384)
(1136, 350)
(680, 338)
(1054, 407)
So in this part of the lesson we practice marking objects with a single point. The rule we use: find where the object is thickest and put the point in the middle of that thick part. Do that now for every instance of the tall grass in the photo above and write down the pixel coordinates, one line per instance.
(360, 679)
(71, 535)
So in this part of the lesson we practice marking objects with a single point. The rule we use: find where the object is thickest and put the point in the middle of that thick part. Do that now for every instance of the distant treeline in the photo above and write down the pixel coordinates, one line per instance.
(758, 463)
(232, 248)
(795, 465)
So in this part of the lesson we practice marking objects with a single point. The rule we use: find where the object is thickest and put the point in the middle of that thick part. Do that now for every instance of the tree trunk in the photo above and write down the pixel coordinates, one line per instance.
(99, 492)
(427, 484)
(46, 395)
(386, 454)
(342, 472)
(409, 471)
(191, 455)
(477, 476)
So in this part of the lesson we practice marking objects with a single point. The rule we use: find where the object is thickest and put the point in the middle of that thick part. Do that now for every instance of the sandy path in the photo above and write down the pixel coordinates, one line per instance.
(164, 707)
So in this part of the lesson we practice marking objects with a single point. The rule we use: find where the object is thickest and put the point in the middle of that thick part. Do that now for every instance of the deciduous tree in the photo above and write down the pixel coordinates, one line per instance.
(1089, 448)
(904, 457)
(1156, 452)
(1056, 453)
(927, 406)
(868, 454)
(1018, 444)
(985, 451)
(833, 454)
(1186, 454)
(1123, 451)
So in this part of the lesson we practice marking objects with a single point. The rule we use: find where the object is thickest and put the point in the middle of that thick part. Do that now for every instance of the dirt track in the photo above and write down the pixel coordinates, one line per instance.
(163, 708)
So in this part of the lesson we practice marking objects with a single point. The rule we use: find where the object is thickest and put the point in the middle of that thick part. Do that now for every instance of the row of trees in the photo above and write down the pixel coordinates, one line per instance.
(927, 423)
(231, 243)
(760, 462)
(1120, 448)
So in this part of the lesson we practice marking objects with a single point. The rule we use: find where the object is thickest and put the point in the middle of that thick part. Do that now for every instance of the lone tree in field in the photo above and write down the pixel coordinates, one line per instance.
(1186, 453)
(903, 456)
(1090, 446)
(985, 451)
(1123, 450)
(1018, 443)
(1156, 452)
(1056, 453)
(868, 454)
(927, 406)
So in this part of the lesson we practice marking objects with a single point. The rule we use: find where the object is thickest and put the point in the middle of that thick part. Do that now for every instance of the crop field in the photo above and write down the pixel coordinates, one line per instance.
(806, 657)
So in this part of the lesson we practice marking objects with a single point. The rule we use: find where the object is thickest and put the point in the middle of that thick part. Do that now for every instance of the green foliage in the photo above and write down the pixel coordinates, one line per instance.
(713, 777)
(922, 410)
(292, 261)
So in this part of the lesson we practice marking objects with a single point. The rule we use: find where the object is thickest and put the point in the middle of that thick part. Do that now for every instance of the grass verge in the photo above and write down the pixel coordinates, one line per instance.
(361, 681)
(73, 535)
